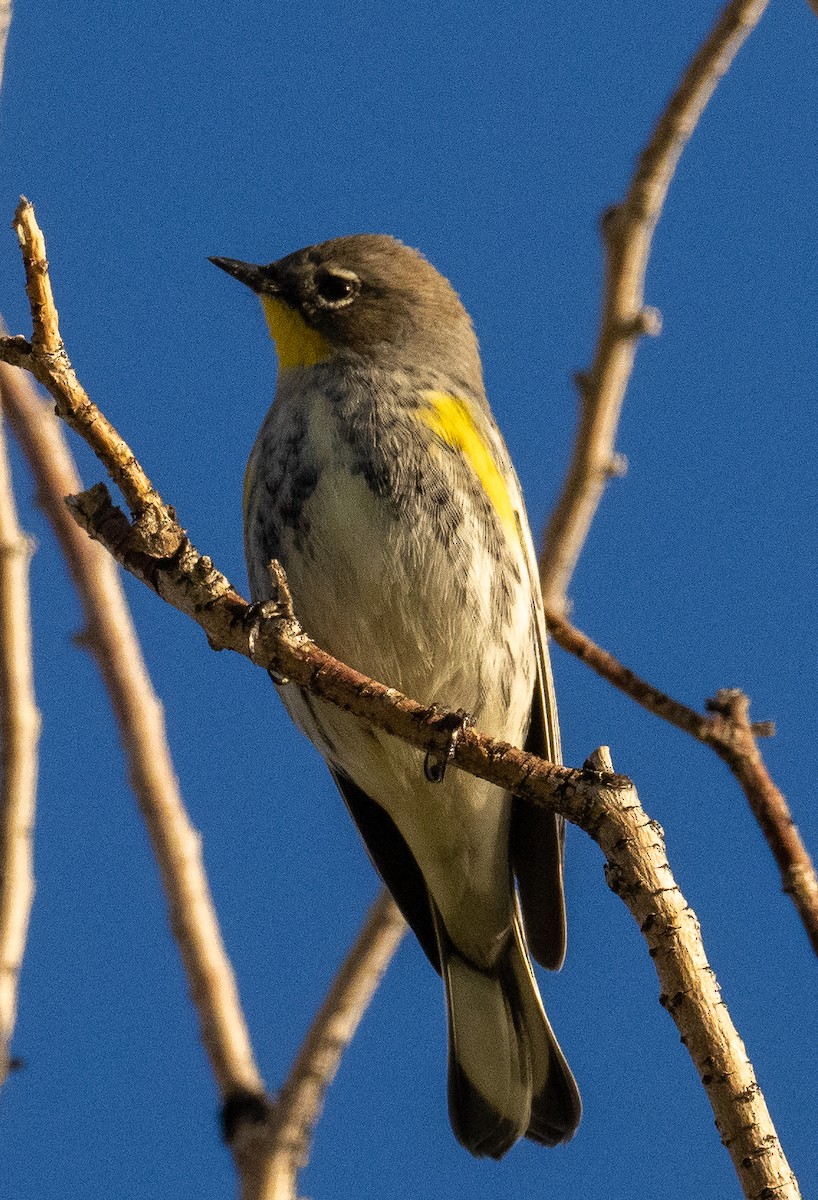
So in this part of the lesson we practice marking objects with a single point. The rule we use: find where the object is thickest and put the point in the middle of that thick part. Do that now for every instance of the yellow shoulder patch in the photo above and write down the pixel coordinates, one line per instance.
(296, 344)
(449, 417)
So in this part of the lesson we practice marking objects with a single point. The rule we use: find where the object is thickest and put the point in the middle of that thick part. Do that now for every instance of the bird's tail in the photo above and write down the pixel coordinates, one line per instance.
(508, 1077)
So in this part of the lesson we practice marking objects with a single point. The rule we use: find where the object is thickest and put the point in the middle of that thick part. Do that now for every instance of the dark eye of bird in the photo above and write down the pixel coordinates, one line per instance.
(332, 288)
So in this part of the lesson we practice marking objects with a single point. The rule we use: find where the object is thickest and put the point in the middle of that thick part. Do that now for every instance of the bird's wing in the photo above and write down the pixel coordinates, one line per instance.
(538, 836)
(394, 862)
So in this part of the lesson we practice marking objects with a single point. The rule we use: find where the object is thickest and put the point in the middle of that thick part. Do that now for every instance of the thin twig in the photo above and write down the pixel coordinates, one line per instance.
(45, 357)
(727, 729)
(601, 803)
(628, 233)
(19, 733)
(271, 1140)
(333, 1028)
(5, 25)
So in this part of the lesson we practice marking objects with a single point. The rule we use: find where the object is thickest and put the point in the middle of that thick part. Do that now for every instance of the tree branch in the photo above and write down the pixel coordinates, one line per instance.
(727, 729)
(301, 1099)
(111, 638)
(19, 734)
(628, 234)
(603, 804)
(5, 25)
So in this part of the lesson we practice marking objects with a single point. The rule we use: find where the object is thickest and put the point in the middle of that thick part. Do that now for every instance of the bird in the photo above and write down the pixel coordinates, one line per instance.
(380, 481)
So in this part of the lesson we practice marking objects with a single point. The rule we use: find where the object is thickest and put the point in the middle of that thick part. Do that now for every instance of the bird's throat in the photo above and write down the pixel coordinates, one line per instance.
(297, 345)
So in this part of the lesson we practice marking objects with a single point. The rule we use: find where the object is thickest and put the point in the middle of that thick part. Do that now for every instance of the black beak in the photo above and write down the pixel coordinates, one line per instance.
(259, 279)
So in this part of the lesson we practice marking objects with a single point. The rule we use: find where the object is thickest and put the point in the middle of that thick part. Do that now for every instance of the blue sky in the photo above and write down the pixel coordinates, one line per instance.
(491, 137)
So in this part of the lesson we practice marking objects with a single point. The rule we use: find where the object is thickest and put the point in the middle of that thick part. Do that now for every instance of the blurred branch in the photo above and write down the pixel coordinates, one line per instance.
(603, 804)
(5, 25)
(628, 234)
(727, 729)
(19, 733)
(291, 1120)
(111, 638)
(302, 1096)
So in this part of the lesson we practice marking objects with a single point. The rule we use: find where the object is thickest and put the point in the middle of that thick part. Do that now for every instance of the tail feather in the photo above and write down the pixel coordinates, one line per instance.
(489, 1071)
(556, 1108)
(507, 1075)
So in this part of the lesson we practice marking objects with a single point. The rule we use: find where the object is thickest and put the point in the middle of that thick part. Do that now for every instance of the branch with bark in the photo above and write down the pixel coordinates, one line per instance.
(725, 727)
(153, 546)
(19, 735)
(628, 230)
(270, 1148)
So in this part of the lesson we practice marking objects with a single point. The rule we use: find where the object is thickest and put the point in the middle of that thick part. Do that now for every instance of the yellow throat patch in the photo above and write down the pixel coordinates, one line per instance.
(296, 344)
(450, 419)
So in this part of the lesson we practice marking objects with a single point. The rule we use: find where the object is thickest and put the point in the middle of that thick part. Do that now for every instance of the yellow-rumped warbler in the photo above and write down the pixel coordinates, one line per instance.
(381, 482)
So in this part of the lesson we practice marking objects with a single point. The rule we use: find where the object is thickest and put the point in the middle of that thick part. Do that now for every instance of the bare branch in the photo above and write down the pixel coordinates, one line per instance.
(19, 733)
(5, 25)
(111, 638)
(45, 357)
(603, 804)
(302, 1096)
(730, 733)
(271, 1140)
(628, 234)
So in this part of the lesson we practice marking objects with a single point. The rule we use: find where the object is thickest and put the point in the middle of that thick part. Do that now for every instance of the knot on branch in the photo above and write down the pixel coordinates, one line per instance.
(245, 1115)
(95, 512)
(645, 323)
(611, 225)
(731, 709)
(154, 536)
(156, 531)
(617, 466)
(15, 349)
(731, 703)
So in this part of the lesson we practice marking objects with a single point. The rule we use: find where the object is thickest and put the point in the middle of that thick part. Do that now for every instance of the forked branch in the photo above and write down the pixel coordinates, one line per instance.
(727, 729)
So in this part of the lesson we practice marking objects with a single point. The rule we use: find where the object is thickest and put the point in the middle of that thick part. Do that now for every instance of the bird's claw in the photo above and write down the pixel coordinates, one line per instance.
(453, 725)
(253, 618)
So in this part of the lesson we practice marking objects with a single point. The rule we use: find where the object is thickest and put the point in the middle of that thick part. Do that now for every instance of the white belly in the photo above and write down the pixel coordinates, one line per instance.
(389, 600)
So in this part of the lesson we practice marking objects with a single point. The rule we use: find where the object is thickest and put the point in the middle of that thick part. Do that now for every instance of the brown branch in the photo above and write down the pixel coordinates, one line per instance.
(333, 1028)
(111, 638)
(5, 25)
(301, 1099)
(601, 803)
(628, 234)
(46, 359)
(727, 729)
(19, 733)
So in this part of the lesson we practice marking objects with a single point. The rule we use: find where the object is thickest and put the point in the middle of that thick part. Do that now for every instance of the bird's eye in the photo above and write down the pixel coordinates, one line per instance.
(336, 287)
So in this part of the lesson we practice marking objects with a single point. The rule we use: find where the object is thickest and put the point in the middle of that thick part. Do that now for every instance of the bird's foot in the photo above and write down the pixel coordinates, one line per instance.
(254, 617)
(451, 726)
